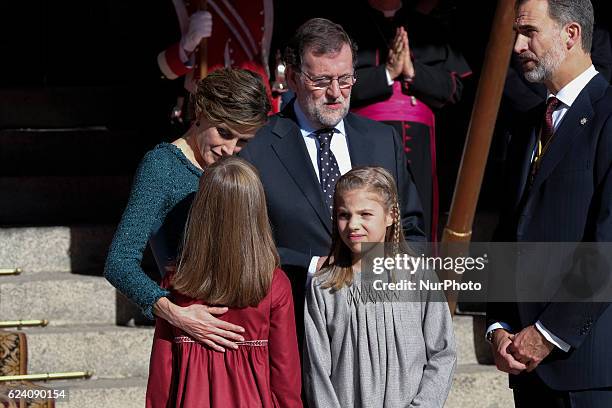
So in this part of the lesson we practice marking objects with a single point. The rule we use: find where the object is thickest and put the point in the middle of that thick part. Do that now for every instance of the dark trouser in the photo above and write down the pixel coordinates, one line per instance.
(535, 394)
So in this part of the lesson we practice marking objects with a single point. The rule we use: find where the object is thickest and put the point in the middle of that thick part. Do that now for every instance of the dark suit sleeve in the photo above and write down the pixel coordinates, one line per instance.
(503, 312)
(412, 212)
(572, 322)
(292, 257)
(603, 225)
(371, 85)
(601, 52)
(438, 85)
(288, 256)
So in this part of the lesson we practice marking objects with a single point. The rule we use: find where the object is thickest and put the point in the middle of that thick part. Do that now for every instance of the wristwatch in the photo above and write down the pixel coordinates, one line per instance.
(489, 335)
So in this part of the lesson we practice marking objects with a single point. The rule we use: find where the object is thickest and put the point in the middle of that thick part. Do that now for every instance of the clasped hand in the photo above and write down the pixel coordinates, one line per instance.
(525, 350)
(399, 61)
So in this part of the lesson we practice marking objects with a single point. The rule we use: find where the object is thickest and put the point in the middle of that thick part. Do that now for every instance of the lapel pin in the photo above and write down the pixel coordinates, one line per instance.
(583, 121)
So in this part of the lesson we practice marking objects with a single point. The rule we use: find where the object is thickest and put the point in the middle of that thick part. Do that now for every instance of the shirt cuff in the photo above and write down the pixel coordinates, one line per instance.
(171, 64)
(498, 325)
(389, 79)
(552, 338)
(312, 266)
(312, 269)
(187, 60)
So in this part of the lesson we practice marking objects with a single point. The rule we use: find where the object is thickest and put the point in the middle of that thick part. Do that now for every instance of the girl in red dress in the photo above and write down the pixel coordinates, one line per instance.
(229, 260)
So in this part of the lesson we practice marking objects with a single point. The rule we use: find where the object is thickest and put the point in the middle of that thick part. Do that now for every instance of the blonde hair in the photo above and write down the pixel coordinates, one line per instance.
(228, 256)
(235, 97)
(374, 180)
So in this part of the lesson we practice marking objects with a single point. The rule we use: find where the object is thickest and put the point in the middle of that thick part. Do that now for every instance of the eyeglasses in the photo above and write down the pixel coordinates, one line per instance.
(324, 82)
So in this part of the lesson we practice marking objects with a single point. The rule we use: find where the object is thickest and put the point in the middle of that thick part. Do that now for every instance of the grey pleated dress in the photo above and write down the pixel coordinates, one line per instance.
(362, 349)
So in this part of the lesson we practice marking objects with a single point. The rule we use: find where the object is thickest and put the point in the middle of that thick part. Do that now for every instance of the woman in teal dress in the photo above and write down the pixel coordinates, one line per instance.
(230, 105)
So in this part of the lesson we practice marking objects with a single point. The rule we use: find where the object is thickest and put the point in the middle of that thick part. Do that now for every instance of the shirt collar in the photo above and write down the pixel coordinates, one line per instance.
(568, 94)
(388, 13)
(391, 13)
(306, 127)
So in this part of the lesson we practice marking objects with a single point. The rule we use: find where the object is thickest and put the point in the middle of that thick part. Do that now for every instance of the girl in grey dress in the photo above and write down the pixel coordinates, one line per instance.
(369, 348)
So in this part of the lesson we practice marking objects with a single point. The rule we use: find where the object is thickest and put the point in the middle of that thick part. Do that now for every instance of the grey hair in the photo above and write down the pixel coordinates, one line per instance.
(573, 11)
(320, 35)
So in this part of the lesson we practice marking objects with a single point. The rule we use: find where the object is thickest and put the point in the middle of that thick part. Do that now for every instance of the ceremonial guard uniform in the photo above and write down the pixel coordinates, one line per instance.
(240, 38)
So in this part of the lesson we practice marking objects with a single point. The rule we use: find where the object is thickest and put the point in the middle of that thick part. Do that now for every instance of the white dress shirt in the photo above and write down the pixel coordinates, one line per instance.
(566, 95)
(338, 146)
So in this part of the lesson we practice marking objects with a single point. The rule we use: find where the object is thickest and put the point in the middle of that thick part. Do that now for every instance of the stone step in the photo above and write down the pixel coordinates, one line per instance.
(464, 338)
(479, 386)
(63, 199)
(472, 348)
(62, 298)
(108, 351)
(50, 106)
(474, 386)
(119, 357)
(58, 107)
(43, 152)
(108, 393)
(55, 249)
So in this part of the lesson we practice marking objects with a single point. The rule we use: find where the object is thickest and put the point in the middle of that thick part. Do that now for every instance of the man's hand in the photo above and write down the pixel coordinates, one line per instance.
(530, 347)
(200, 324)
(396, 57)
(504, 361)
(200, 26)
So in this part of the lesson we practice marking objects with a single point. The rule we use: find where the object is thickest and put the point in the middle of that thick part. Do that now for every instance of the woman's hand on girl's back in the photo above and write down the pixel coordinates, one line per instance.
(200, 324)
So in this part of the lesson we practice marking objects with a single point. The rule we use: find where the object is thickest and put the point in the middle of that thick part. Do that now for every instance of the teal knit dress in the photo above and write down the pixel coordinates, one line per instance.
(164, 186)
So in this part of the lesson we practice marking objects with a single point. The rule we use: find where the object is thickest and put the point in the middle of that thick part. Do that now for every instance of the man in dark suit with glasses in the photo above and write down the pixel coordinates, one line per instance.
(303, 150)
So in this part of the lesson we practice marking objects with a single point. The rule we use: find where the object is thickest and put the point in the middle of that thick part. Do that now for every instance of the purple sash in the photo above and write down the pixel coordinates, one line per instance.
(400, 107)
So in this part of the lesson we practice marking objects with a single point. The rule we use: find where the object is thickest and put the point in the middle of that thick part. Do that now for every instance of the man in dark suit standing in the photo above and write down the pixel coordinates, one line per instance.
(559, 190)
(303, 150)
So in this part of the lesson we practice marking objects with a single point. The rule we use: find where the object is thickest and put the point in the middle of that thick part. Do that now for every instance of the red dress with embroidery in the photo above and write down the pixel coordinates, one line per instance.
(263, 372)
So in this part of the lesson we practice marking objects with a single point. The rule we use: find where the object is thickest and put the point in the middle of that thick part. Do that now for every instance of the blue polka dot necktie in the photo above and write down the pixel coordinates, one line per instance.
(329, 172)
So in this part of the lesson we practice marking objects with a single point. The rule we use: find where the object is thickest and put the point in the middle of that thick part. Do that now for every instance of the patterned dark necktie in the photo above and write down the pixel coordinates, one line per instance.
(546, 135)
(329, 172)
(547, 130)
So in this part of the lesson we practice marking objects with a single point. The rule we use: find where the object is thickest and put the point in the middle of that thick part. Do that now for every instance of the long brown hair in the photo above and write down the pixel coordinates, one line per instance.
(374, 180)
(228, 256)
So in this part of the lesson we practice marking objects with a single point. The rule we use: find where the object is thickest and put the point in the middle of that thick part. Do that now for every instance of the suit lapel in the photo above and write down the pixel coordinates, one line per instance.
(576, 120)
(525, 166)
(360, 146)
(573, 124)
(291, 151)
